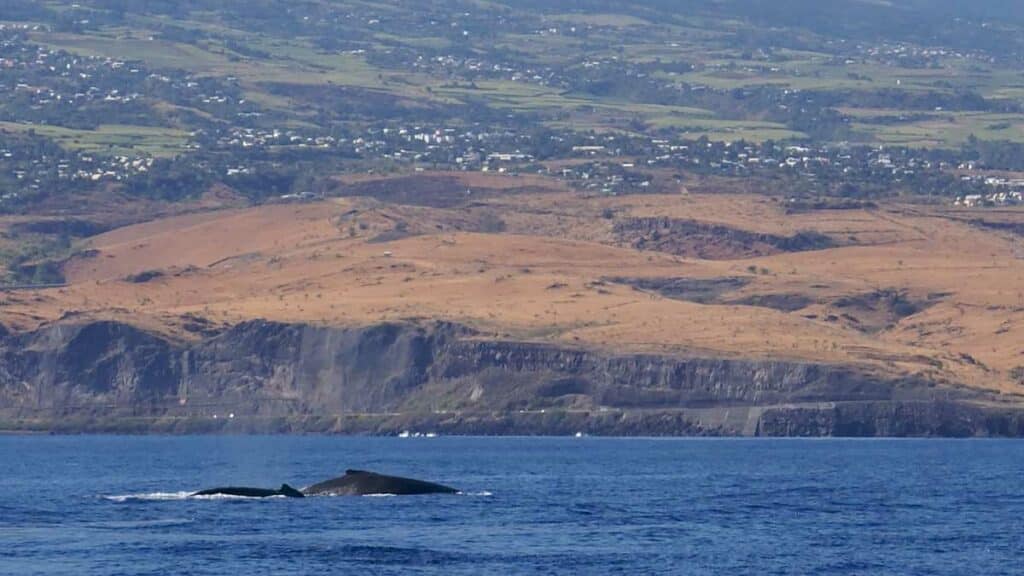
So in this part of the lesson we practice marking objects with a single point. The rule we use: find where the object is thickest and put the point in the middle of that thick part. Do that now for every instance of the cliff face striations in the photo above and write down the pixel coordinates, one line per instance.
(264, 376)
(102, 367)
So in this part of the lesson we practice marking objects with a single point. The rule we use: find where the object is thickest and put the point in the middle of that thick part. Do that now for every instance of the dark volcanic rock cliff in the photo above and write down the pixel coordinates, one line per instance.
(440, 376)
(94, 367)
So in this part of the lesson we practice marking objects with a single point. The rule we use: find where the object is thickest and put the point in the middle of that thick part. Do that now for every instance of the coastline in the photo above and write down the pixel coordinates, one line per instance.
(825, 420)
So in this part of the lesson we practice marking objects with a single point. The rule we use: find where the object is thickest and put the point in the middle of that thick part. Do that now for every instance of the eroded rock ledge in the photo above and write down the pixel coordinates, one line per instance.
(442, 377)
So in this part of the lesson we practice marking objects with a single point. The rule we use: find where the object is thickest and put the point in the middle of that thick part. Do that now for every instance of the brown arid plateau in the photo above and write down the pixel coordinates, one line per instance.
(511, 305)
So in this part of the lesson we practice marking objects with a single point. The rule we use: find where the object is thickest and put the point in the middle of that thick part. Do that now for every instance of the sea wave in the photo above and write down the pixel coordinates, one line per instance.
(140, 524)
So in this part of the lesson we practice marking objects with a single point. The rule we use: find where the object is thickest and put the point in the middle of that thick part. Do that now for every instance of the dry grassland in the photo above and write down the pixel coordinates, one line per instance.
(906, 290)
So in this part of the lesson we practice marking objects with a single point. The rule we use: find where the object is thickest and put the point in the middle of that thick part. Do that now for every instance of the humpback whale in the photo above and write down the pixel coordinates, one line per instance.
(284, 490)
(361, 483)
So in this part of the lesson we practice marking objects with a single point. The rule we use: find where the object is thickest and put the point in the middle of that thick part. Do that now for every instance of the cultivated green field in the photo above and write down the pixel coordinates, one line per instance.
(110, 138)
(628, 36)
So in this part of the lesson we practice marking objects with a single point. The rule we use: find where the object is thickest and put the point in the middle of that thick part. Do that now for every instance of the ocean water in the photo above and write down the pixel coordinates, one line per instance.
(118, 505)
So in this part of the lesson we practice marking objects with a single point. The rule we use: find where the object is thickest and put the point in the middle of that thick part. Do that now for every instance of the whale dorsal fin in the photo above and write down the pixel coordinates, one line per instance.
(353, 471)
(290, 492)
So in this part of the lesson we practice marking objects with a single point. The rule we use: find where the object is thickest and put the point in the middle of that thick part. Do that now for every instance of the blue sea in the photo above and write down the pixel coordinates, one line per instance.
(85, 505)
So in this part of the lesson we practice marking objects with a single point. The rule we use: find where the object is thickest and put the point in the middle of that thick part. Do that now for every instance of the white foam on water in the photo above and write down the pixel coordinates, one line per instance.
(167, 496)
(170, 496)
(154, 496)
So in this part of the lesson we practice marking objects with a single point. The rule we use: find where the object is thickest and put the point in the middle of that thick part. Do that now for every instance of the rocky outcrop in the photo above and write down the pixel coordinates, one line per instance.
(713, 291)
(699, 290)
(691, 238)
(265, 376)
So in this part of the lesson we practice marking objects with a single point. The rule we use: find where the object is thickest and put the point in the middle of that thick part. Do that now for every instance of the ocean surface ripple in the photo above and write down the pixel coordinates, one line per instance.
(98, 505)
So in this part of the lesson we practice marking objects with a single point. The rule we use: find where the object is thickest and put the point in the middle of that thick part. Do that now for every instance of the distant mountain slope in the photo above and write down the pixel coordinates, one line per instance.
(926, 297)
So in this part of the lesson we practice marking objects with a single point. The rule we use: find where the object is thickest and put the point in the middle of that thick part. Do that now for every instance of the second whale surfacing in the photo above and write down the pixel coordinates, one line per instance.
(364, 483)
(284, 490)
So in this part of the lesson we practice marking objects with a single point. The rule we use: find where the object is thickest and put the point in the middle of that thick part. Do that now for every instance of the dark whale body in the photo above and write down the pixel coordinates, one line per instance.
(284, 490)
(362, 483)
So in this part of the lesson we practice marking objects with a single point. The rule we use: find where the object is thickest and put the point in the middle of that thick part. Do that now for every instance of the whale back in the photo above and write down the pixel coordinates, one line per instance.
(238, 491)
(362, 483)
(248, 492)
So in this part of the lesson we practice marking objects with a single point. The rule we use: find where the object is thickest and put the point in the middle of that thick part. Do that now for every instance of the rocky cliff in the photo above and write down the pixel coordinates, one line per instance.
(264, 376)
